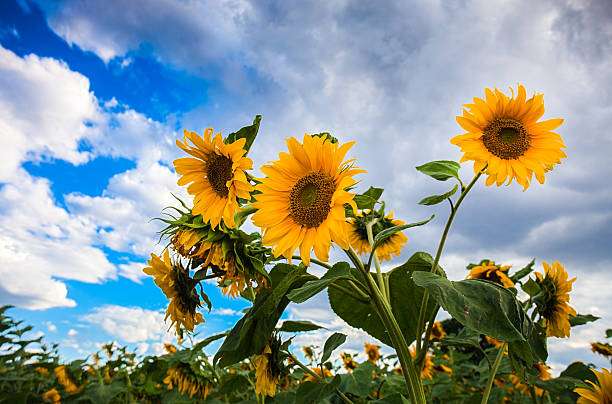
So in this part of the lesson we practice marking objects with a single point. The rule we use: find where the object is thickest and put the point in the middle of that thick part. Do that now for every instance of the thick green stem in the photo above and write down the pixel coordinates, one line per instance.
(498, 360)
(413, 380)
(379, 275)
(424, 301)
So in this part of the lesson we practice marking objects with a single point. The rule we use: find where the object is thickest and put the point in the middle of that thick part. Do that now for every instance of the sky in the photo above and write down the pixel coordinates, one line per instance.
(94, 94)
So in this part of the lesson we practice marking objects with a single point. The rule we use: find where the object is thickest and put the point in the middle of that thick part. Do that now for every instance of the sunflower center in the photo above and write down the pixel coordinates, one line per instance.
(506, 138)
(310, 199)
(219, 172)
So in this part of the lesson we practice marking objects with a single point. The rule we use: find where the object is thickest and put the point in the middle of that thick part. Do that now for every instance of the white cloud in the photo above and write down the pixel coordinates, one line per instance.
(50, 326)
(72, 332)
(222, 311)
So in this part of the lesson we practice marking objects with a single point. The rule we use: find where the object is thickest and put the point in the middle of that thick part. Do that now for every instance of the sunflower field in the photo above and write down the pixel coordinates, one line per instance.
(490, 346)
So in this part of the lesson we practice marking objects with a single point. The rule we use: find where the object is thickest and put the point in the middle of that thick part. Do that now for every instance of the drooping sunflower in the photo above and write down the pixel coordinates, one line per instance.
(188, 380)
(504, 135)
(188, 243)
(491, 272)
(302, 198)
(372, 352)
(348, 362)
(601, 394)
(217, 175)
(602, 349)
(496, 344)
(173, 280)
(358, 235)
(268, 368)
(443, 369)
(554, 306)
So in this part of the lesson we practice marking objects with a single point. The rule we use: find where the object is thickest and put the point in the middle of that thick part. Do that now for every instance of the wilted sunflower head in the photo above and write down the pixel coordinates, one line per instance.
(189, 380)
(602, 349)
(601, 394)
(348, 362)
(504, 135)
(553, 305)
(188, 243)
(302, 198)
(217, 176)
(269, 368)
(372, 352)
(489, 271)
(358, 235)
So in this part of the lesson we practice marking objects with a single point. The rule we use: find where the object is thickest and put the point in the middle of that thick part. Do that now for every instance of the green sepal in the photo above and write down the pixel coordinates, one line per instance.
(441, 170)
(531, 287)
(327, 136)
(436, 199)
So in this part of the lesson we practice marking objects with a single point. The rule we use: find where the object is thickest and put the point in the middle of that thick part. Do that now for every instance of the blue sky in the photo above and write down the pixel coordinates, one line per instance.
(93, 96)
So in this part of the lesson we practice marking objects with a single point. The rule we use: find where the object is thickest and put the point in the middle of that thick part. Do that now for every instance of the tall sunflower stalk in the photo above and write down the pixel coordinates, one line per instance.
(306, 201)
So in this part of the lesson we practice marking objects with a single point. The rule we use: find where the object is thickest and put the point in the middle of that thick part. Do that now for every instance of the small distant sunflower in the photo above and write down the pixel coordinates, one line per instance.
(519, 386)
(64, 379)
(504, 135)
(42, 371)
(173, 280)
(427, 371)
(554, 306)
(268, 368)
(372, 352)
(170, 349)
(308, 352)
(601, 394)
(348, 362)
(217, 175)
(437, 331)
(325, 374)
(497, 344)
(491, 272)
(443, 369)
(358, 235)
(188, 380)
(302, 198)
(53, 396)
(543, 371)
(602, 349)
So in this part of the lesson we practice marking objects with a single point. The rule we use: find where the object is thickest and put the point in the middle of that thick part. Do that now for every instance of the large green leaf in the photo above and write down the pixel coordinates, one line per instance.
(312, 392)
(436, 199)
(359, 381)
(441, 169)
(483, 306)
(248, 132)
(405, 299)
(313, 287)
(251, 333)
(299, 326)
(368, 198)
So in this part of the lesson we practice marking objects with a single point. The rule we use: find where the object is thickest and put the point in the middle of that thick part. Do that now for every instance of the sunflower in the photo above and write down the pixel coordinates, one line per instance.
(188, 243)
(308, 352)
(543, 371)
(602, 349)
(64, 379)
(491, 272)
(268, 369)
(302, 198)
(437, 331)
(42, 371)
(602, 393)
(442, 369)
(492, 341)
(348, 362)
(372, 352)
(358, 235)
(53, 396)
(170, 349)
(504, 135)
(428, 367)
(554, 307)
(174, 282)
(217, 175)
(325, 374)
(188, 381)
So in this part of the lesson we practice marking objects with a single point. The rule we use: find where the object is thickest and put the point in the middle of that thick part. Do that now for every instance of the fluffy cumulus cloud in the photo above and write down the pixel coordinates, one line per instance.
(392, 76)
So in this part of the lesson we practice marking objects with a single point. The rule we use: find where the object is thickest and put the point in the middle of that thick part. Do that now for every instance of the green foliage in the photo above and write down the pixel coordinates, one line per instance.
(441, 170)
(298, 326)
(582, 319)
(248, 132)
(436, 199)
(311, 288)
(385, 234)
(333, 342)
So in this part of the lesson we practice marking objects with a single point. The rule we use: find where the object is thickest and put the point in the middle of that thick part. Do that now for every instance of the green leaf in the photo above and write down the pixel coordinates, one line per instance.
(609, 333)
(385, 234)
(252, 332)
(333, 342)
(311, 288)
(299, 326)
(580, 371)
(436, 199)
(367, 199)
(248, 132)
(405, 296)
(485, 307)
(523, 272)
(582, 319)
(395, 398)
(441, 169)
(312, 392)
(531, 287)
(359, 381)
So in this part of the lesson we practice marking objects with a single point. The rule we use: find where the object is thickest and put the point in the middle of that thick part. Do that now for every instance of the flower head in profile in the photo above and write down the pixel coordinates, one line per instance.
(489, 271)
(358, 235)
(348, 362)
(301, 204)
(602, 349)
(174, 281)
(554, 305)
(188, 380)
(601, 394)
(503, 134)
(437, 331)
(372, 352)
(269, 368)
(216, 174)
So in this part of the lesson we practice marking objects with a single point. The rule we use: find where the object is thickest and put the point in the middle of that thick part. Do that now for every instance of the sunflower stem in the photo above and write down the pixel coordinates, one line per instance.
(420, 358)
(413, 380)
(498, 360)
(361, 297)
(424, 301)
(316, 261)
(379, 275)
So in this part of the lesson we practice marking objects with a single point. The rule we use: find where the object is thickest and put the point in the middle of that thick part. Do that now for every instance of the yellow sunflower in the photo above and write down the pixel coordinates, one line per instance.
(491, 272)
(64, 379)
(52, 396)
(372, 352)
(173, 281)
(325, 374)
(601, 394)
(602, 349)
(302, 198)
(442, 369)
(188, 381)
(504, 135)
(308, 352)
(267, 377)
(554, 307)
(543, 371)
(427, 371)
(217, 175)
(188, 243)
(437, 331)
(358, 235)
(348, 362)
